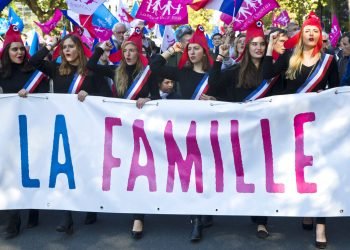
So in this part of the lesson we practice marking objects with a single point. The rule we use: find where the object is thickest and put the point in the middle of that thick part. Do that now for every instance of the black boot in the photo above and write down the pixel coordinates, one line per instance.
(67, 224)
(33, 218)
(14, 225)
(207, 221)
(91, 218)
(197, 226)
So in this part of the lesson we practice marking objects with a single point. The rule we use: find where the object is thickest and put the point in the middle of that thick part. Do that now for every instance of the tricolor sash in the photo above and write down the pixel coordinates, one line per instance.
(34, 81)
(138, 84)
(76, 84)
(316, 76)
(262, 89)
(202, 88)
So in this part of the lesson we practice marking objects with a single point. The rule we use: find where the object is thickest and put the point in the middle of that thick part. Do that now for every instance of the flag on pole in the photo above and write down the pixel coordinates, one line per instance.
(34, 45)
(335, 33)
(102, 17)
(15, 19)
(134, 9)
(283, 19)
(168, 37)
(163, 12)
(50, 24)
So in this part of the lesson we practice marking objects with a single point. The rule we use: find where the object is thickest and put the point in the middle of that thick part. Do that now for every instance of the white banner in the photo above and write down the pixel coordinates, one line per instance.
(280, 156)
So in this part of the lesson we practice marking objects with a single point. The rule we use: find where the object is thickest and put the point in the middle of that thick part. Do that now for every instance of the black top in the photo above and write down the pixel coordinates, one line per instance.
(271, 69)
(109, 71)
(187, 78)
(18, 79)
(226, 83)
(62, 82)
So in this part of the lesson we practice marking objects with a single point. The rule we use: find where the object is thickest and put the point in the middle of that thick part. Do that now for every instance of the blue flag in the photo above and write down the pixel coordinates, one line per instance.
(34, 47)
(15, 19)
(134, 9)
(64, 32)
(4, 3)
(4, 25)
(102, 17)
(209, 41)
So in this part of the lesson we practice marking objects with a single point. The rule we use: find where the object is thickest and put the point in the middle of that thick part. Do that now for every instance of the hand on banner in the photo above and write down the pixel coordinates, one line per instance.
(204, 97)
(106, 46)
(272, 41)
(141, 102)
(23, 93)
(82, 95)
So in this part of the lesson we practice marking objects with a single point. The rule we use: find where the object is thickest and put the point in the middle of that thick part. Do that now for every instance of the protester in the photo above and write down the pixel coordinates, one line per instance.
(192, 71)
(118, 31)
(302, 66)
(66, 79)
(217, 41)
(130, 70)
(16, 74)
(344, 59)
(183, 34)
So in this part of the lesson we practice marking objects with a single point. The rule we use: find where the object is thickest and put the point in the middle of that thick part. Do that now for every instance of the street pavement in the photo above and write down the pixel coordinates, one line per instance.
(167, 232)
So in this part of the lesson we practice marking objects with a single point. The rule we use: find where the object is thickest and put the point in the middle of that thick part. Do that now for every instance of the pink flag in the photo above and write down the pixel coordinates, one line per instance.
(227, 19)
(283, 19)
(96, 32)
(163, 12)
(252, 11)
(335, 32)
(52, 23)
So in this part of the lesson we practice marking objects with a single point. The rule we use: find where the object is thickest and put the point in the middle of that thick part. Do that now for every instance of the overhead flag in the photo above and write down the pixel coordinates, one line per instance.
(283, 18)
(15, 19)
(34, 46)
(122, 13)
(101, 33)
(335, 33)
(85, 7)
(102, 17)
(48, 26)
(4, 25)
(134, 9)
(163, 12)
(168, 38)
(4, 3)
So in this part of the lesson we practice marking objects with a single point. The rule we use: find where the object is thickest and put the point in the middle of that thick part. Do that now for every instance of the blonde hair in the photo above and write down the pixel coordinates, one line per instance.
(296, 61)
(121, 77)
(66, 68)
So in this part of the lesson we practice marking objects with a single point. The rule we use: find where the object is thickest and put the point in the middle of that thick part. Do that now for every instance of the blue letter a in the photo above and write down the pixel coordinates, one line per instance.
(56, 167)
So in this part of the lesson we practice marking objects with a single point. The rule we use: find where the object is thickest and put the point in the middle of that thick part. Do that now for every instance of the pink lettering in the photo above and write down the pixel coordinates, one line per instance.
(136, 169)
(271, 186)
(241, 186)
(219, 169)
(193, 157)
(109, 161)
(302, 160)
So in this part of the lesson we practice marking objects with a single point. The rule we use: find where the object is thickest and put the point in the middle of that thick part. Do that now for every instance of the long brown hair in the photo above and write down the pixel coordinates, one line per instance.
(65, 67)
(121, 78)
(6, 68)
(249, 75)
(205, 61)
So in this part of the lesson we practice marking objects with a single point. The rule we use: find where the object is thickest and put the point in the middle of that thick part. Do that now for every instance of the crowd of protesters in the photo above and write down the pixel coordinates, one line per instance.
(238, 64)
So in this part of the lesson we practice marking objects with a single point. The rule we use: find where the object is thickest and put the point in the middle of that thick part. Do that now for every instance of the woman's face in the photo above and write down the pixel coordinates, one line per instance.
(311, 35)
(195, 52)
(240, 44)
(130, 54)
(70, 51)
(257, 47)
(17, 52)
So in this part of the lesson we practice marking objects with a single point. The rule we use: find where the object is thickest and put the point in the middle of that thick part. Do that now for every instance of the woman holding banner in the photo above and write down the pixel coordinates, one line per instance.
(192, 77)
(306, 69)
(131, 81)
(18, 76)
(244, 82)
(70, 76)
